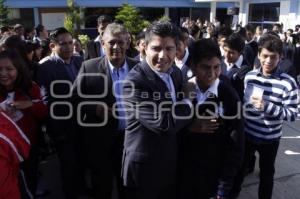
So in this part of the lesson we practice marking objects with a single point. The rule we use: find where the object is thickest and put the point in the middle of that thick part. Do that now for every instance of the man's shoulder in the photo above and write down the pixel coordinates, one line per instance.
(288, 80)
(94, 62)
(227, 91)
(136, 71)
(47, 60)
(131, 62)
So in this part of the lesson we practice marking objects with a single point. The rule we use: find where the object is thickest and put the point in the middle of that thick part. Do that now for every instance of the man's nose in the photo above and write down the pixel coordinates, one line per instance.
(162, 53)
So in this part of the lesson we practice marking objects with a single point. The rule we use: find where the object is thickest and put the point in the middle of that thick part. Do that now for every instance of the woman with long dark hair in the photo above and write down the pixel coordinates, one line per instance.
(22, 100)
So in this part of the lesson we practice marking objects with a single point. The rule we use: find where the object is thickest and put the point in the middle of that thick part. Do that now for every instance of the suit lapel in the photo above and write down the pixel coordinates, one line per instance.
(156, 83)
(98, 47)
(104, 69)
(177, 78)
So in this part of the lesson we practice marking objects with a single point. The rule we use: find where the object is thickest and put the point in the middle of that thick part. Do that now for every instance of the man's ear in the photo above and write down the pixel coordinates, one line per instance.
(102, 42)
(52, 46)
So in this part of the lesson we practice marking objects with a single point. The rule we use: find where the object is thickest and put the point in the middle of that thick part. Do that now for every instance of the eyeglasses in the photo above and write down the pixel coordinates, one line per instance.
(118, 42)
(65, 43)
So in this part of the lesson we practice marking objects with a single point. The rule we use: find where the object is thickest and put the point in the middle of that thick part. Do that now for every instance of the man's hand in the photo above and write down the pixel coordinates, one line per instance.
(204, 126)
(21, 104)
(102, 113)
(189, 89)
(257, 102)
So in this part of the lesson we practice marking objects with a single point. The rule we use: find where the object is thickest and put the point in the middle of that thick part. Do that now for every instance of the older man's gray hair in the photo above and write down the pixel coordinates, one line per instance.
(114, 29)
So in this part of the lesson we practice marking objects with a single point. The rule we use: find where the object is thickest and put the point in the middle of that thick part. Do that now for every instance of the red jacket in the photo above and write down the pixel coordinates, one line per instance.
(14, 148)
(29, 123)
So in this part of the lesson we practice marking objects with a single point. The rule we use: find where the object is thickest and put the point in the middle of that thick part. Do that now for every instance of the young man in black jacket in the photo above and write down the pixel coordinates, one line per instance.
(212, 146)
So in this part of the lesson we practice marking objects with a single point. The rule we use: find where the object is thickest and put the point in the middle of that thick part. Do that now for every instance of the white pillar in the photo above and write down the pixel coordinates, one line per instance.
(36, 16)
(167, 11)
(213, 10)
(82, 26)
(241, 12)
(284, 14)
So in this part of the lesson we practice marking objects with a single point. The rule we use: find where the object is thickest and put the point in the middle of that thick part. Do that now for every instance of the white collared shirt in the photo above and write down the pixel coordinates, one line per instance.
(213, 89)
(166, 77)
(238, 63)
(181, 63)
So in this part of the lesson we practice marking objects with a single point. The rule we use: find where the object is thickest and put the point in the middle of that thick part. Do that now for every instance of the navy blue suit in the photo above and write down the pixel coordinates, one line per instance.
(65, 137)
(150, 147)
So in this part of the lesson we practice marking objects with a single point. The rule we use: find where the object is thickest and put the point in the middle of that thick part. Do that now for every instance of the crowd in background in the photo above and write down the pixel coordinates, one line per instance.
(32, 59)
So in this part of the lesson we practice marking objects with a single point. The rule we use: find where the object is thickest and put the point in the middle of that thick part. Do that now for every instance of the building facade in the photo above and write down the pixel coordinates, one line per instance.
(51, 13)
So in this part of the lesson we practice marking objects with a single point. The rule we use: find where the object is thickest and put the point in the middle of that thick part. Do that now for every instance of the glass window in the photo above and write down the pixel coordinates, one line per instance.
(23, 16)
(264, 12)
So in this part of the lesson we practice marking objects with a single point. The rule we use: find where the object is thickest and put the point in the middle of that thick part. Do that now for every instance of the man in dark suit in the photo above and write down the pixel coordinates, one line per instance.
(94, 48)
(183, 58)
(250, 42)
(55, 76)
(211, 147)
(99, 84)
(140, 44)
(153, 118)
(234, 66)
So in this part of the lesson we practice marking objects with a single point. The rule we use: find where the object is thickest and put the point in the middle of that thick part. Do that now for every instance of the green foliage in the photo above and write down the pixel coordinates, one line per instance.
(84, 39)
(164, 18)
(3, 13)
(73, 19)
(131, 18)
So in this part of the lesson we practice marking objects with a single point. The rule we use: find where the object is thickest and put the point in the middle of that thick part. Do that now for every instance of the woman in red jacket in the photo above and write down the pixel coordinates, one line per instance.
(22, 100)
(14, 148)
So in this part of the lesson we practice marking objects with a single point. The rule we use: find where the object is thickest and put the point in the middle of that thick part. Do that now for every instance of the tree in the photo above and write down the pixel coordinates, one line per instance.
(3, 13)
(73, 19)
(131, 18)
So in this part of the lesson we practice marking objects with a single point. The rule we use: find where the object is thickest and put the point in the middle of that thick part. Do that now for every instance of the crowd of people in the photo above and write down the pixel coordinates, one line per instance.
(172, 112)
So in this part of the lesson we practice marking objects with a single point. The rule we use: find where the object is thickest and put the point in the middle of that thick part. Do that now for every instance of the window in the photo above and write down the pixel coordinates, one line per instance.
(264, 12)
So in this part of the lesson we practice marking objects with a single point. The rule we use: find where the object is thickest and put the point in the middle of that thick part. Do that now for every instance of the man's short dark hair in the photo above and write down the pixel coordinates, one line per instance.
(250, 28)
(104, 19)
(182, 34)
(271, 43)
(162, 29)
(225, 32)
(38, 29)
(204, 49)
(139, 37)
(235, 42)
(194, 29)
(56, 32)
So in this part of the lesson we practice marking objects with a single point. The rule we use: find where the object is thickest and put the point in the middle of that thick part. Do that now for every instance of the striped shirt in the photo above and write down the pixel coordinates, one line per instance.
(280, 95)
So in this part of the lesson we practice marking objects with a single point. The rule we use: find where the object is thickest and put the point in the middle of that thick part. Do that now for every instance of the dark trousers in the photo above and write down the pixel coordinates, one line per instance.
(30, 169)
(117, 163)
(168, 192)
(72, 169)
(267, 155)
(104, 159)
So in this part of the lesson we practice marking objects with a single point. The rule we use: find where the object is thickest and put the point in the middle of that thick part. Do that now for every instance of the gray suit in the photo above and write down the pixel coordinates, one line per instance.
(150, 146)
(103, 145)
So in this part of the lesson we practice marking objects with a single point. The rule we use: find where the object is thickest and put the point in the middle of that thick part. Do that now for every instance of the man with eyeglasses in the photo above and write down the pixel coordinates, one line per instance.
(100, 82)
(56, 75)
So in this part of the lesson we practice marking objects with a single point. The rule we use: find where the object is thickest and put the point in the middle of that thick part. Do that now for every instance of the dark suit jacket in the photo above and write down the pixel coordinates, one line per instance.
(237, 76)
(150, 147)
(51, 69)
(92, 50)
(211, 160)
(92, 85)
(250, 52)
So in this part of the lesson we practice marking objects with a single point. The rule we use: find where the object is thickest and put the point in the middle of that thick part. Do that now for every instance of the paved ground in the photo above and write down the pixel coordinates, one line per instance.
(287, 177)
